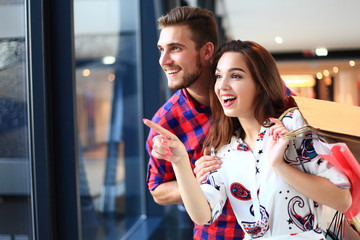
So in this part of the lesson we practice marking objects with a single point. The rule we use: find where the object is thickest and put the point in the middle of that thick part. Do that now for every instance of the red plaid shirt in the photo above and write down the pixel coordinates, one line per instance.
(190, 122)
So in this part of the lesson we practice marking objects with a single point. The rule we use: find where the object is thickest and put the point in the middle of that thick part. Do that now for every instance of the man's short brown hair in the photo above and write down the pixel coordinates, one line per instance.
(201, 23)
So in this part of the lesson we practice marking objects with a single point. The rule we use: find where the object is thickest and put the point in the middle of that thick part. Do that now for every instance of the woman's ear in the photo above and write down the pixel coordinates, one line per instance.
(259, 89)
(207, 51)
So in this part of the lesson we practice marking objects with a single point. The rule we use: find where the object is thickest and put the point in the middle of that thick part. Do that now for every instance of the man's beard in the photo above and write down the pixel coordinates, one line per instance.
(189, 78)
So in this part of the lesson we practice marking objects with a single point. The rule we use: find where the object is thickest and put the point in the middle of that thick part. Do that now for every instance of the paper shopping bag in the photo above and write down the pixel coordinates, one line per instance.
(338, 127)
(337, 122)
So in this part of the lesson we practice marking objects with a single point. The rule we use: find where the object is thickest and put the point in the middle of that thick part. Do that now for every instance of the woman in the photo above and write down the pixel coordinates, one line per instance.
(276, 186)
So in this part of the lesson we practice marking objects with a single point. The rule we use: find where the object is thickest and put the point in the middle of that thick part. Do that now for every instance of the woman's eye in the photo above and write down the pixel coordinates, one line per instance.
(217, 76)
(235, 76)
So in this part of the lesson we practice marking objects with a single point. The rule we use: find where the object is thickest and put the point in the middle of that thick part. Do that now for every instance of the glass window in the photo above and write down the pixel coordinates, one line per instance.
(106, 51)
(15, 195)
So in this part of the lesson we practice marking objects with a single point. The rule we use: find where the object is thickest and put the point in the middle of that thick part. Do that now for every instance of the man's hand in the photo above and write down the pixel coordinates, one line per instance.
(205, 165)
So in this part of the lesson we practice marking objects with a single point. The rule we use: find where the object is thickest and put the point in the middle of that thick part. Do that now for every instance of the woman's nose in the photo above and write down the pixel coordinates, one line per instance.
(224, 83)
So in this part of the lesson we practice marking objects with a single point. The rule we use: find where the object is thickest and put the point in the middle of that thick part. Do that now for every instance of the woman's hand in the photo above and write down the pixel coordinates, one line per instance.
(278, 144)
(166, 145)
(317, 188)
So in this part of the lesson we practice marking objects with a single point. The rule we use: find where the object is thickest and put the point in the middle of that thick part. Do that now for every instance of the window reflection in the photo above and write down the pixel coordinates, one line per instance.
(15, 195)
(106, 83)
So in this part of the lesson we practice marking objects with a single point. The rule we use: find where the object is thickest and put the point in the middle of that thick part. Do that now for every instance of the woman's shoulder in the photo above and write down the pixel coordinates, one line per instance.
(232, 145)
(293, 120)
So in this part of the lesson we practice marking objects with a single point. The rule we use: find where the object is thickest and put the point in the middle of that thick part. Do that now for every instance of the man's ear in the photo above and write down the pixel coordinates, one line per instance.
(207, 51)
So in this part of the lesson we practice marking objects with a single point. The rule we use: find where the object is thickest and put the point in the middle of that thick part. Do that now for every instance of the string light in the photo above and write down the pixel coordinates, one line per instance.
(319, 75)
(326, 73)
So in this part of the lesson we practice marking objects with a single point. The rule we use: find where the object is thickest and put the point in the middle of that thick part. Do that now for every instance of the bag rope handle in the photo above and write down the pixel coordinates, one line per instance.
(293, 134)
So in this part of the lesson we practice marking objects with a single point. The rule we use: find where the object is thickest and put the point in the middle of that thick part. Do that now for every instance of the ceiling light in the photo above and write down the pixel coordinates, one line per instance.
(326, 73)
(319, 75)
(298, 80)
(335, 69)
(109, 60)
(321, 52)
(352, 63)
(279, 40)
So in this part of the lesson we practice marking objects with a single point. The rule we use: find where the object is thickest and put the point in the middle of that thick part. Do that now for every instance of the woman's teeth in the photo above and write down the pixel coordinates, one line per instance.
(227, 98)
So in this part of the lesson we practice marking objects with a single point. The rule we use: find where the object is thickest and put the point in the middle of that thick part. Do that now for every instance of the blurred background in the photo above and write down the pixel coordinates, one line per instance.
(77, 77)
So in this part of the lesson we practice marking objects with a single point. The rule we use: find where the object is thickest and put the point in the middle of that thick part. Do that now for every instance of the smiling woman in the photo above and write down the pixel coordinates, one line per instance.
(271, 179)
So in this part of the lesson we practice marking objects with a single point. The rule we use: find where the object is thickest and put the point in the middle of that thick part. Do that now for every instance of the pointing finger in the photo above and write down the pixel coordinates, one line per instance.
(162, 131)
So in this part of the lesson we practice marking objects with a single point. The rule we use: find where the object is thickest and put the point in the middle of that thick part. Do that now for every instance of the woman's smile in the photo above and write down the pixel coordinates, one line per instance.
(227, 100)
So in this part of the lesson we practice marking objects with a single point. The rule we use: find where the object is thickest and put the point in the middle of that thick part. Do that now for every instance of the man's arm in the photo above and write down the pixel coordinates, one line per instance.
(167, 193)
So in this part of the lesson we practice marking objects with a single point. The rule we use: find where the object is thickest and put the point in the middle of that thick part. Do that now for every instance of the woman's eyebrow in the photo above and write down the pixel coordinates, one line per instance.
(233, 69)
(236, 69)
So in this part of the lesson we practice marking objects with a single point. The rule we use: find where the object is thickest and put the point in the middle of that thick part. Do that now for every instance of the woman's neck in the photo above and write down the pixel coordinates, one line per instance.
(251, 128)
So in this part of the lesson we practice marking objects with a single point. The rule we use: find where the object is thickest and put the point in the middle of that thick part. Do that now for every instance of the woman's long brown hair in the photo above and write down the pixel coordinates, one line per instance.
(269, 103)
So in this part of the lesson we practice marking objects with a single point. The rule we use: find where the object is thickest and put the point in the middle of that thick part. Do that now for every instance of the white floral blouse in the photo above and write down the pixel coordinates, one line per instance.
(266, 206)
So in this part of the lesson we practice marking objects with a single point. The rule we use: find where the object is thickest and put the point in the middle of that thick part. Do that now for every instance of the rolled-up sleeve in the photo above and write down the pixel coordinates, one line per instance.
(312, 162)
(214, 190)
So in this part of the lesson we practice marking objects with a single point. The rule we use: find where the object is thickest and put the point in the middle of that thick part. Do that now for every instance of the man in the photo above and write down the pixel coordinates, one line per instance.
(187, 43)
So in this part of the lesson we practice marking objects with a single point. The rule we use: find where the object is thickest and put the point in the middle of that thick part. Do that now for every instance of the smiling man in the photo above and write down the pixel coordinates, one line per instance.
(179, 58)
(187, 43)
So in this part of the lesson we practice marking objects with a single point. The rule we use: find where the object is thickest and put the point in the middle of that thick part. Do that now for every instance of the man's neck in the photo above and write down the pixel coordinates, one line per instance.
(199, 91)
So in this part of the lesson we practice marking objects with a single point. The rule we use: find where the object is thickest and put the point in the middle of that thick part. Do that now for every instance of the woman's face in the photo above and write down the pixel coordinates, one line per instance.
(234, 86)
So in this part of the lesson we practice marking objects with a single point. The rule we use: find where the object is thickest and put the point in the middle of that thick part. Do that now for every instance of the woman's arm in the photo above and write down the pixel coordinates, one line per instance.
(193, 197)
(167, 146)
(317, 188)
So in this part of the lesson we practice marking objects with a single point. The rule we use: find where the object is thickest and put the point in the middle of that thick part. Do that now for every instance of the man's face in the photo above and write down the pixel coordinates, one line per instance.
(179, 58)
